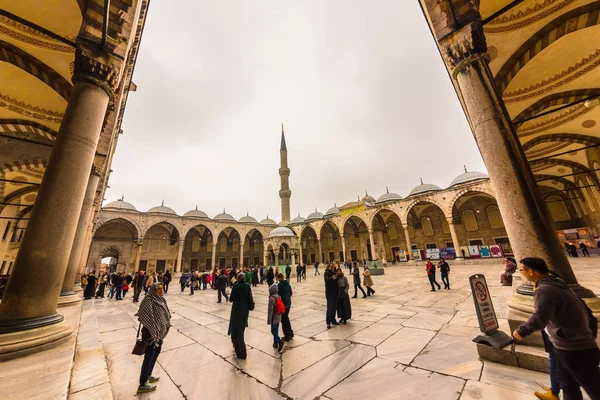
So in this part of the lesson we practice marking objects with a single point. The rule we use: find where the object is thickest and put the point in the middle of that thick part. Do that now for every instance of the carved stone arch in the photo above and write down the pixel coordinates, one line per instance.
(23, 126)
(30, 64)
(372, 219)
(103, 221)
(188, 227)
(422, 200)
(561, 138)
(555, 100)
(17, 193)
(448, 212)
(331, 223)
(306, 227)
(21, 165)
(112, 249)
(565, 163)
(363, 220)
(150, 223)
(569, 22)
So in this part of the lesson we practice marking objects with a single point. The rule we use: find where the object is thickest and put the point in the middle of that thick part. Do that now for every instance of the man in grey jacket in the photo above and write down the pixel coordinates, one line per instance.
(569, 325)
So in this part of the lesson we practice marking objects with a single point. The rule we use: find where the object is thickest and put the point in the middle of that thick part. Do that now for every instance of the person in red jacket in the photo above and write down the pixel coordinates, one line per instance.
(430, 268)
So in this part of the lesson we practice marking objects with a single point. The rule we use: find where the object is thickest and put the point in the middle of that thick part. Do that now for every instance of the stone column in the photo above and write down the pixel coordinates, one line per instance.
(408, 244)
(320, 255)
(301, 259)
(241, 254)
(179, 256)
(455, 239)
(138, 254)
(266, 259)
(88, 244)
(67, 295)
(276, 258)
(214, 256)
(293, 260)
(528, 224)
(50, 234)
(343, 247)
(373, 255)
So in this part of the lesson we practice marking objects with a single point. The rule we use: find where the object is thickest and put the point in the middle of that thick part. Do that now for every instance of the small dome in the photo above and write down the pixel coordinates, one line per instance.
(368, 199)
(162, 209)
(387, 196)
(424, 187)
(314, 215)
(248, 220)
(333, 210)
(120, 205)
(298, 219)
(224, 217)
(268, 221)
(468, 176)
(196, 213)
(281, 231)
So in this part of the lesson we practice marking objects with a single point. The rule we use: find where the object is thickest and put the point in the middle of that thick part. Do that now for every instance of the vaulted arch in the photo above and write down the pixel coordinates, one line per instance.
(555, 100)
(585, 140)
(537, 164)
(13, 126)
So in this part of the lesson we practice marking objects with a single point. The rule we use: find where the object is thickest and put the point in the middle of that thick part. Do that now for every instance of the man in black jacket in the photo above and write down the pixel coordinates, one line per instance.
(332, 290)
(356, 275)
(570, 326)
(222, 281)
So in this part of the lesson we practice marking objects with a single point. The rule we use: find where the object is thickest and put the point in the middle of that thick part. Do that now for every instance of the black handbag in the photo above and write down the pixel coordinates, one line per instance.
(140, 346)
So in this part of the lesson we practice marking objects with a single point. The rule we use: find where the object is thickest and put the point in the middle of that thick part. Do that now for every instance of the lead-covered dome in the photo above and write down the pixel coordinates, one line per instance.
(162, 209)
(298, 220)
(281, 231)
(196, 213)
(268, 221)
(333, 211)
(387, 196)
(120, 205)
(247, 219)
(368, 199)
(314, 215)
(468, 176)
(424, 187)
(224, 217)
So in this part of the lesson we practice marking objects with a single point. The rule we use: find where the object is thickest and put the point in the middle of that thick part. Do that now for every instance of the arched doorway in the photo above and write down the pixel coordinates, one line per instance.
(114, 243)
(331, 243)
(228, 248)
(309, 245)
(253, 248)
(428, 228)
(159, 249)
(356, 236)
(197, 249)
(388, 235)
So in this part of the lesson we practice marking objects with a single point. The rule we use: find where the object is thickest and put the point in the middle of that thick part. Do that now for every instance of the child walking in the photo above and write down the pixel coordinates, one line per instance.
(276, 309)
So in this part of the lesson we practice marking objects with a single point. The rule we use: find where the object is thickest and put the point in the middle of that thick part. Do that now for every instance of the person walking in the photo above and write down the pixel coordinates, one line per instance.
(166, 280)
(317, 269)
(119, 283)
(344, 308)
(149, 281)
(138, 285)
(356, 275)
(222, 281)
(193, 282)
(288, 272)
(332, 291)
(284, 289)
(262, 274)
(430, 268)
(155, 319)
(571, 328)
(90, 287)
(101, 286)
(298, 273)
(368, 281)
(183, 280)
(274, 316)
(255, 277)
(444, 271)
(243, 303)
(303, 271)
(270, 277)
(584, 249)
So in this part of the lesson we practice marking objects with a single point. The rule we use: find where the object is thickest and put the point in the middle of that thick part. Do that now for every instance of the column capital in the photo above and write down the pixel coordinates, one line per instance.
(96, 67)
(97, 168)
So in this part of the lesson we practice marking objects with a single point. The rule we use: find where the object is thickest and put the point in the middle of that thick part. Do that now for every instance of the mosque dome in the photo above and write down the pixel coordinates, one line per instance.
(248, 219)
(387, 196)
(424, 187)
(268, 221)
(224, 217)
(196, 213)
(468, 176)
(368, 199)
(298, 219)
(333, 210)
(314, 215)
(162, 209)
(120, 205)
(281, 231)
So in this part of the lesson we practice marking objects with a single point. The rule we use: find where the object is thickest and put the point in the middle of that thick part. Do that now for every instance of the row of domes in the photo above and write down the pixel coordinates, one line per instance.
(467, 176)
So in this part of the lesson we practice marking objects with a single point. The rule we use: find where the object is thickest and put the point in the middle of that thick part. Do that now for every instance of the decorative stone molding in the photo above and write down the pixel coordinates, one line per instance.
(89, 69)
(97, 168)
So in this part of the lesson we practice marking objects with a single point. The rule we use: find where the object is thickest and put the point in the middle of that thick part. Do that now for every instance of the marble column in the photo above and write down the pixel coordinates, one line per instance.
(241, 254)
(179, 256)
(87, 245)
(455, 242)
(301, 258)
(373, 255)
(277, 259)
(138, 254)
(408, 244)
(47, 243)
(320, 255)
(67, 295)
(266, 258)
(213, 257)
(343, 247)
(527, 221)
(293, 260)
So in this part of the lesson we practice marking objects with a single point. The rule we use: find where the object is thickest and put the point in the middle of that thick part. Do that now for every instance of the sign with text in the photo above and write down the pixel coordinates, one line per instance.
(488, 323)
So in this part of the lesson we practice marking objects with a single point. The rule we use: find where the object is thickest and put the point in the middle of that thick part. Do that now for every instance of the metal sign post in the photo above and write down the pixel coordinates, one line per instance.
(488, 323)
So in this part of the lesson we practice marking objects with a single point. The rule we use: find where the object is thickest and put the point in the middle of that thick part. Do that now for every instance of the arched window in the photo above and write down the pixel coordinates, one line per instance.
(445, 226)
(493, 214)
(392, 231)
(146, 243)
(470, 221)
(162, 245)
(558, 209)
(427, 227)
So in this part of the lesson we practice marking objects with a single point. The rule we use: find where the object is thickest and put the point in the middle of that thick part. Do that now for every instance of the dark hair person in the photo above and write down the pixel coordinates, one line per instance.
(155, 317)
(241, 297)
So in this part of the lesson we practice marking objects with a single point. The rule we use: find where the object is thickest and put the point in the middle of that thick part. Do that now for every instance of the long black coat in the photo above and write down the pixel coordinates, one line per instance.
(344, 308)
(238, 322)
(270, 277)
(88, 293)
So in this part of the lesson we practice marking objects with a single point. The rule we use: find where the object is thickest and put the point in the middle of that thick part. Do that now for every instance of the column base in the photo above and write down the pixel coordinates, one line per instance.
(20, 338)
(68, 298)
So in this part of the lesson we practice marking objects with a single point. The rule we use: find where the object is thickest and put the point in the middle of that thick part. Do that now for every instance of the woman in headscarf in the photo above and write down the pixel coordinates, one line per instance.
(155, 317)
(509, 269)
(344, 308)
(255, 277)
(90, 288)
(270, 276)
(241, 297)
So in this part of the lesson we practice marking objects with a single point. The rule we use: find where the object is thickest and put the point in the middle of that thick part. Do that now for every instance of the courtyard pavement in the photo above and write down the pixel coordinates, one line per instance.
(404, 342)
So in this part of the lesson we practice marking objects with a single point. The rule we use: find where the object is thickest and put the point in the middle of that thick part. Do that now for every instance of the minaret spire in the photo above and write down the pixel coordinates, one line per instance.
(284, 173)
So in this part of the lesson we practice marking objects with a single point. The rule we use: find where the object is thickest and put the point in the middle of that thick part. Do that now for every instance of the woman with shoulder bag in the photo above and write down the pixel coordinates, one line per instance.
(155, 319)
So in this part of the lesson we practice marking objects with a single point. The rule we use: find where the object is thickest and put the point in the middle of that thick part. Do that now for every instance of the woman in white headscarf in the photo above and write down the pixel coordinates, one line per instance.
(155, 317)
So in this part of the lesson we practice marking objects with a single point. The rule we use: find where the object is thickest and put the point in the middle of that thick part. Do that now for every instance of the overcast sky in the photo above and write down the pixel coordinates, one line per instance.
(359, 85)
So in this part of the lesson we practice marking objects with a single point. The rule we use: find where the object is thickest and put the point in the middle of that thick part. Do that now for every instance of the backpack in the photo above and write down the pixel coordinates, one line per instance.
(279, 306)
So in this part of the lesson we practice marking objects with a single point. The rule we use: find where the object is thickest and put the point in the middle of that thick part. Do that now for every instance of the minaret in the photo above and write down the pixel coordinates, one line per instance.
(284, 172)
